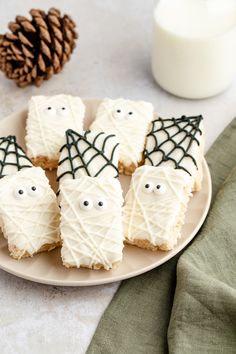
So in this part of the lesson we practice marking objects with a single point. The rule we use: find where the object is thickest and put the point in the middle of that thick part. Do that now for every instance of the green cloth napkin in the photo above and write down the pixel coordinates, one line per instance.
(203, 319)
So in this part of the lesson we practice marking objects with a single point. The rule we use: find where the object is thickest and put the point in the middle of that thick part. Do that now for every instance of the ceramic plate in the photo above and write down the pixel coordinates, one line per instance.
(47, 267)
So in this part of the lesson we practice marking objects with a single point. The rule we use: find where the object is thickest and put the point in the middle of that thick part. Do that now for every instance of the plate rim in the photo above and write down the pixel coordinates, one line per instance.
(133, 273)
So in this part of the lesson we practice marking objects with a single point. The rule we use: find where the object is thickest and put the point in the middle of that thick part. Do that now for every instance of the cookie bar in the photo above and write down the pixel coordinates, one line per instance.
(178, 143)
(88, 154)
(48, 119)
(29, 213)
(129, 121)
(90, 200)
(91, 222)
(155, 207)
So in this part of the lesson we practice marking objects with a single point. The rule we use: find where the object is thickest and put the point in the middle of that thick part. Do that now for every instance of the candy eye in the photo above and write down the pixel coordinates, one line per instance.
(118, 113)
(20, 193)
(101, 204)
(148, 187)
(49, 110)
(160, 188)
(86, 204)
(34, 191)
(63, 111)
(129, 115)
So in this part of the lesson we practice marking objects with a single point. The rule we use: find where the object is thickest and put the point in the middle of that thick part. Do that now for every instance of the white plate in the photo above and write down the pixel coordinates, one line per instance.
(47, 267)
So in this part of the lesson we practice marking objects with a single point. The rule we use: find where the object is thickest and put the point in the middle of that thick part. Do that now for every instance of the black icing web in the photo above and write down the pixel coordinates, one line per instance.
(12, 156)
(181, 133)
(77, 155)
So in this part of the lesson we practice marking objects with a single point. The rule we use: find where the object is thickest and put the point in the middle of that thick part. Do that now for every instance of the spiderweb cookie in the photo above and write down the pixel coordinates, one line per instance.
(177, 143)
(88, 154)
(129, 121)
(12, 156)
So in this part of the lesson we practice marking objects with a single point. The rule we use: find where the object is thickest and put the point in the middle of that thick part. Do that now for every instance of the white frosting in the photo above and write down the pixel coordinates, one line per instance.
(29, 211)
(129, 120)
(195, 150)
(91, 234)
(12, 157)
(156, 214)
(48, 119)
(87, 160)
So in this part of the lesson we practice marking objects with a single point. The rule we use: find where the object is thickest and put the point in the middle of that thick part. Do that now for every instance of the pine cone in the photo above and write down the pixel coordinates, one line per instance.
(38, 48)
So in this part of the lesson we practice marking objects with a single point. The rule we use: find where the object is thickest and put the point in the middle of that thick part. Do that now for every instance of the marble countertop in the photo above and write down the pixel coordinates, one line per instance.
(112, 59)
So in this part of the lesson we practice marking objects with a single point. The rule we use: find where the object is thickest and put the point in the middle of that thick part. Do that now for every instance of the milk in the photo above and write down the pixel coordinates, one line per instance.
(194, 46)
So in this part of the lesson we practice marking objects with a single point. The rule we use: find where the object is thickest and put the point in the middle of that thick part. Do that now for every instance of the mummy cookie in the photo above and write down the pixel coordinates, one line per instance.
(129, 121)
(29, 213)
(178, 143)
(88, 154)
(155, 207)
(48, 119)
(91, 222)
(12, 157)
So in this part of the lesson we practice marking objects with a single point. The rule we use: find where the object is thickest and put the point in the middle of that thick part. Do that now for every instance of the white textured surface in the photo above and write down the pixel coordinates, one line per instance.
(35, 318)
(112, 59)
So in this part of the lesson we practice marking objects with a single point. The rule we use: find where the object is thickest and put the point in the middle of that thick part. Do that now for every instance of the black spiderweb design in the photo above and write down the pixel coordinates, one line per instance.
(76, 153)
(184, 132)
(12, 155)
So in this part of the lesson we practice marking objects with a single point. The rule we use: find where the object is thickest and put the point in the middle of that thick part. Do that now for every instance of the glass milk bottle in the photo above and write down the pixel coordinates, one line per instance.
(194, 46)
